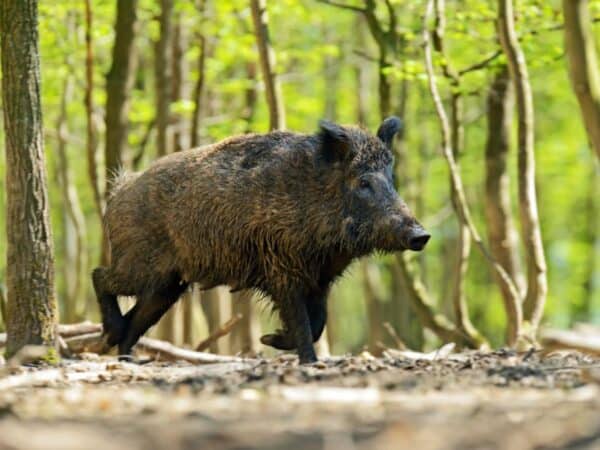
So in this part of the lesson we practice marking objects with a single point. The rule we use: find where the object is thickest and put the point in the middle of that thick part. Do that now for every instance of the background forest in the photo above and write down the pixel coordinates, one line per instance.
(171, 74)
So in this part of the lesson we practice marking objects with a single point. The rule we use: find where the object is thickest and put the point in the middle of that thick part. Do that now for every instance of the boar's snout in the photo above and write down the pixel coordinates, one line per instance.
(417, 238)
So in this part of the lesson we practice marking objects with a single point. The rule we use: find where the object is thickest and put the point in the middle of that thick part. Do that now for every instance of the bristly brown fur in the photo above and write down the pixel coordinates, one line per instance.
(263, 212)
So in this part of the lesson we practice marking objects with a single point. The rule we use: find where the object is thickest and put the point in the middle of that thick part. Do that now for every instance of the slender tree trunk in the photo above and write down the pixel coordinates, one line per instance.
(463, 241)
(191, 302)
(267, 65)
(119, 82)
(163, 77)
(199, 93)
(583, 66)
(244, 337)
(537, 286)
(501, 232)
(75, 255)
(215, 305)
(31, 308)
(514, 313)
(179, 83)
(3, 304)
(163, 70)
(583, 310)
(92, 131)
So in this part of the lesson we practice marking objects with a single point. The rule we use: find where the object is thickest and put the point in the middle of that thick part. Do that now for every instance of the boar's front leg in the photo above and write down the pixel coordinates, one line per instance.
(317, 314)
(316, 306)
(296, 322)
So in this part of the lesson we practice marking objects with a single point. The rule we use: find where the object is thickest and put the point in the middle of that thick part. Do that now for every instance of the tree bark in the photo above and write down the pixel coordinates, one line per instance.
(537, 286)
(74, 235)
(31, 308)
(500, 226)
(163, 77)
(267, 65)
(199, 93)
(92, 131)
(583, 66)
(119, 82)
(179, 83)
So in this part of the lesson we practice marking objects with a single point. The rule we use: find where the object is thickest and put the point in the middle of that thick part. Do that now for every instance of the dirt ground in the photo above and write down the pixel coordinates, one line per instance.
(498, 400)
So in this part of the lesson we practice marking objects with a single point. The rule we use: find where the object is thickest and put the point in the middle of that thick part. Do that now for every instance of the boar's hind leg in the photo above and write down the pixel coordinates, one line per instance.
(113, 323)
(149, 308)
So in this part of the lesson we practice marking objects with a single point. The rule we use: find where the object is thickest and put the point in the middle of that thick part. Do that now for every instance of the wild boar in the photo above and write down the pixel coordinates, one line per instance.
(280, 213)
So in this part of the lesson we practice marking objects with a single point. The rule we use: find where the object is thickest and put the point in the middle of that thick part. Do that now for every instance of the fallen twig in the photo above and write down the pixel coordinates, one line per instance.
(444, 352)
(94, 342)
(219, 333)
(76, 329)
(169, 352)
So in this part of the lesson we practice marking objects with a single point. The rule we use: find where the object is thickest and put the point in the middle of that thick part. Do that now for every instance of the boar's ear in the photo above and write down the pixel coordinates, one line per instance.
(388, 129)
(336, 144)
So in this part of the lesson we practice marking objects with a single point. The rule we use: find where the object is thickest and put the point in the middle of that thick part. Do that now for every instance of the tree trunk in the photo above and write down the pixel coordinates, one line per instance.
(216, 311)
(191, 302)
(163, 77)
(456, 185)
(583, 310)
(119, 82)
(199, 89)
(463, 241)
(31, 308)
(244, 337)
(179, 83)
(163, 70)
(583, 66)
(267, 64)
(92, 130)
(537, 287)
(74, 237)
(501, 232)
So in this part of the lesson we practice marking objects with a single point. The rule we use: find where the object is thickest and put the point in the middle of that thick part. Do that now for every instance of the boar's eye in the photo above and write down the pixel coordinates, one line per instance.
(364, 184)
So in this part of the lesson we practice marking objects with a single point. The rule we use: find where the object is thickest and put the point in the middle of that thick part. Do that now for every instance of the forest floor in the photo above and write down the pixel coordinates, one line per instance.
(474, 400)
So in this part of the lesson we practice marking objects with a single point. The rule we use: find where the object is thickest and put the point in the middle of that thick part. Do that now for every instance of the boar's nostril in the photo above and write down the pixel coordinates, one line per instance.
(418, 241)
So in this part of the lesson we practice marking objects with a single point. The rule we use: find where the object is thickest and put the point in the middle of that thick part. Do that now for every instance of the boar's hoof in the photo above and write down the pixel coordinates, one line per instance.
(134, 360)
(278, 340)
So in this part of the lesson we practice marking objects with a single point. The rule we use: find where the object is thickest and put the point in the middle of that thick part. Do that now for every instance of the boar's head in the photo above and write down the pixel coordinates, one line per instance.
(374, 216)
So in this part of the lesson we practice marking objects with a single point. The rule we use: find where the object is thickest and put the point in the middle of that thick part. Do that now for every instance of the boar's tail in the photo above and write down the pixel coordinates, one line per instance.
(119, 179)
